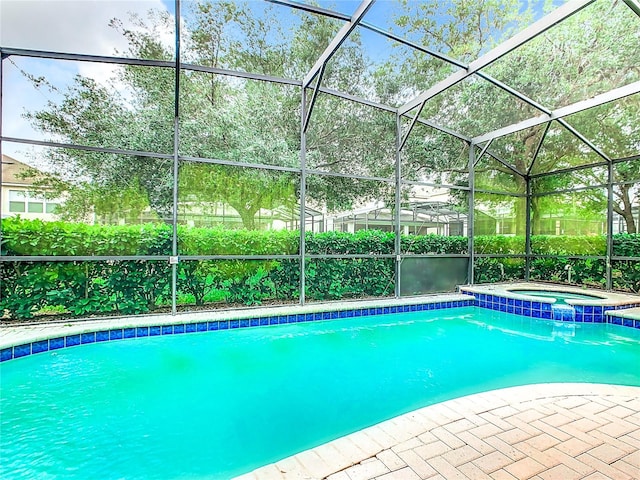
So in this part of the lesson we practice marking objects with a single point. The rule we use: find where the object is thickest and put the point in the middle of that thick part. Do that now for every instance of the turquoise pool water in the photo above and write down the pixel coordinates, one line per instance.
(559, 296)
(219, 404)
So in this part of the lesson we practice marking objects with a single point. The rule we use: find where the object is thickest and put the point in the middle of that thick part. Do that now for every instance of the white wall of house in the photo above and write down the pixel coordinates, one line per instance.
(18, 196)
(28, 203)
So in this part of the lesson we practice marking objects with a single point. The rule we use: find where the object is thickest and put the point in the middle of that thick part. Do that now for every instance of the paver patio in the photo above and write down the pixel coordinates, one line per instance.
(539, 432)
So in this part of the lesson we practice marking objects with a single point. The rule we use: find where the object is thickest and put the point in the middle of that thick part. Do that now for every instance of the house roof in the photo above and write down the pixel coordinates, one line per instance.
(12, 171)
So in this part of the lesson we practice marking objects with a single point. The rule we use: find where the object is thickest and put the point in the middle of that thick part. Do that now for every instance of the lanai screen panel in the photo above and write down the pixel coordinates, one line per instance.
(614, 127)
(124, 107)
(593, 51)
(254, 37)
(474, 106)
(395, 71)
(339, 138)
(239, 120)
(90, 28)
(434, 157)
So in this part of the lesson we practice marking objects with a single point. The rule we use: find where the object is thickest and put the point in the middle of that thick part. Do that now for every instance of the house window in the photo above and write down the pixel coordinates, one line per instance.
(36, 207)
(52, 208)
(17, 201)
(21, 201)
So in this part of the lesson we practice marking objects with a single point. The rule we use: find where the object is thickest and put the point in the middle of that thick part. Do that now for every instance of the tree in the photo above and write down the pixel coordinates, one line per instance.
(222, 118)
(589, 53)
(237, 120)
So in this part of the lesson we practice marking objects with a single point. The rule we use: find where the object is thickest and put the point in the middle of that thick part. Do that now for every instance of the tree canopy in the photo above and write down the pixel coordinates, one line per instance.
(226, 120)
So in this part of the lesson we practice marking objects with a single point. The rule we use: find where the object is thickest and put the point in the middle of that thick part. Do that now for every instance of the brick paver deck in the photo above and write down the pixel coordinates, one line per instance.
(538, 432)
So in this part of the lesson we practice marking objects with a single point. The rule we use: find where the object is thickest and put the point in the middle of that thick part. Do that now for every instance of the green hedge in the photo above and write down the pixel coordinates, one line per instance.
(84, 288)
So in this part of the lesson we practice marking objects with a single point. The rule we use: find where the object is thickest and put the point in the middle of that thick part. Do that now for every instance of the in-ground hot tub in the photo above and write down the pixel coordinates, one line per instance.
(557, 302)
(560, 296)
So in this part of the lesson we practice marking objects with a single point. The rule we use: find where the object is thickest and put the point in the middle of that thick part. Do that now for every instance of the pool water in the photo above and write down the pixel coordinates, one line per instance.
(559, 296)
(220, 404)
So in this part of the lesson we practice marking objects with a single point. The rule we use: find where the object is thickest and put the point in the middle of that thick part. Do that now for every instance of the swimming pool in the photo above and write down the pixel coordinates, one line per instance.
(220, 404)
(558, 295)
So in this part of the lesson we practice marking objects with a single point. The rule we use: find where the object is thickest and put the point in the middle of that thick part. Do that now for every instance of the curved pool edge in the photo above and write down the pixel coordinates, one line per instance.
(541, 426)
(24, 340)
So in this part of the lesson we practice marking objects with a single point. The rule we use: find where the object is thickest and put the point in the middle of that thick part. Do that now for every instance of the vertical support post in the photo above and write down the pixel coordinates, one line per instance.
(303, 193)
(528, 232)
(470, 216)
(609, 270)
(176, 144)
(398, 199)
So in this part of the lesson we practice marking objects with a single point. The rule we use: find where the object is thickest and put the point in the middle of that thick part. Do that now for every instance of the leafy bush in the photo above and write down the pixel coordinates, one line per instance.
(569, 245)
(34, 237)
(626, 275)
(84, 288)
(363, 242)
(488, 270)
(499, 245)
(626, 245)
(202, 241)
(422, 244)
(584, 271)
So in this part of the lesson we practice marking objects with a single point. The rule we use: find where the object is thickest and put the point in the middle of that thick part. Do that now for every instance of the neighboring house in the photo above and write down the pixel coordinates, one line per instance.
(19, 196)
(418, 217)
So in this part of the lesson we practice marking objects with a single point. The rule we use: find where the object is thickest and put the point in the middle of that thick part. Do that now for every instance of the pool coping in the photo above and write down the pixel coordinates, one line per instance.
(24, 340)
(608, 299)
(631, 313)
(394, 445)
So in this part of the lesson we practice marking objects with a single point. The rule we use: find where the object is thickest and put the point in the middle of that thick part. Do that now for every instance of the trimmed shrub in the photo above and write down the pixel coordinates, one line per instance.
(85, 288)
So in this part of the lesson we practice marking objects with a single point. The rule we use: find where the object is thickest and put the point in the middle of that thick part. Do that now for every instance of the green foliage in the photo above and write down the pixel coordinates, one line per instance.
(83, 288)
(205, 241)
(569, 245)
(488, 270)
(35, 237)
(499, 245)
(363, 242)
(336, 278)
(434, 244)
(584, 271)
(124, 287)
(626, 275)
(626, 245)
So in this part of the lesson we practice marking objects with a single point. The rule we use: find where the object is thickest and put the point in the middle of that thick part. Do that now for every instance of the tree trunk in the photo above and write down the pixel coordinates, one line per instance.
(520, 207)
(535, 216)
(521, 216)
(630, 221)
(626, 209)
(247, 215)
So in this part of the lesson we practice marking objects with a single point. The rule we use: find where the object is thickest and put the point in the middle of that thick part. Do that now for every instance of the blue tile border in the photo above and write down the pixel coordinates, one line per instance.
(549, 311)
(41, 346)
(545, 311)
(114, 334)
(21, 350)
(102, 336)
(87, 337)
(6, 354)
